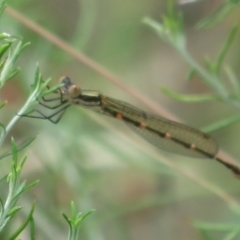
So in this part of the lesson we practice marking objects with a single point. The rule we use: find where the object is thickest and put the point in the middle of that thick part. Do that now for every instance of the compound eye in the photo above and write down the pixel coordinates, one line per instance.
(74, 91)
(65, 80)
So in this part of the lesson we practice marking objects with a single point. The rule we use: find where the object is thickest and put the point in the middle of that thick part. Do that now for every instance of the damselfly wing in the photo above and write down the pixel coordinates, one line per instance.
(163, 133)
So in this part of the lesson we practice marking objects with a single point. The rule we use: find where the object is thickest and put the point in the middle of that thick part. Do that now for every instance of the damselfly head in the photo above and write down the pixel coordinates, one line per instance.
(69, 88)
(66, 81)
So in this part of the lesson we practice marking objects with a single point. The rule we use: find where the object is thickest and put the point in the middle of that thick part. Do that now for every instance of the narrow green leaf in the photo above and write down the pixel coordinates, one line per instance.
(14, 151)
(221, 227)
(51, 90)
(6, 36)
(4, 48)
(13, 211)
(2, 7)
(3, 127)
(209, 64)
(233, 80)
(188, 98)
(20, 148)
(216, 17)
(23, 226)
(31, 185)
(221, 124)
(8, 71)
(191, 74)
(22, 189)
(32, 228)
(37, 79)
(44, 84)
(13, 72)
(225, 49)
(3, 104)
(73, 210)
(4, 178)
(65, 216)
(18, 50)
(1, 206)
(80, 219)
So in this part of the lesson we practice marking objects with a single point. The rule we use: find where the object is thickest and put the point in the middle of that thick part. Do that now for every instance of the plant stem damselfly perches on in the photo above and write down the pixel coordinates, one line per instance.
(166, 134)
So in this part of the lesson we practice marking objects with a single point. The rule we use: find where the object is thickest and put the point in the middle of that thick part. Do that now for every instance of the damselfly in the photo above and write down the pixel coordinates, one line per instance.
(165, 134)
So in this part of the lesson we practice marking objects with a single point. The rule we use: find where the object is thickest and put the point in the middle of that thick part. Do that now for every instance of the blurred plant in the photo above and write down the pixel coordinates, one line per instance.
(8, 209)
(10, 49)
(220, 14)
(75, 221)
(216, 17)
(171, 31)
(232, 230)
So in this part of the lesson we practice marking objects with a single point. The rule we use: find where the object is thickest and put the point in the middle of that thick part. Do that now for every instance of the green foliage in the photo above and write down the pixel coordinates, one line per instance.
(232, 231)
(75, 221)
(219, 15)
(37, 92)
(225, 90)
(7, 65)
(21, 147)
(188, 98)
(171, 31)
(16, 189)
(10, 50)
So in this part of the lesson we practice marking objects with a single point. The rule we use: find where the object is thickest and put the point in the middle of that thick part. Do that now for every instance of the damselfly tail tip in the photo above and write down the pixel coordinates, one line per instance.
(234, 168)
(237, 176)
(236, 171)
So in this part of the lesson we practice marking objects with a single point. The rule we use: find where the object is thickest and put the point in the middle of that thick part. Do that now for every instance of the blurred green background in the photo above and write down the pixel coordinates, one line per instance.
(90, 158)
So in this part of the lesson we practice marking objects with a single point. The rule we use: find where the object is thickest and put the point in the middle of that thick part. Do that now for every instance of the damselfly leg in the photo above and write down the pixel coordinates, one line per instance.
(59, 113)
(60, 106)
